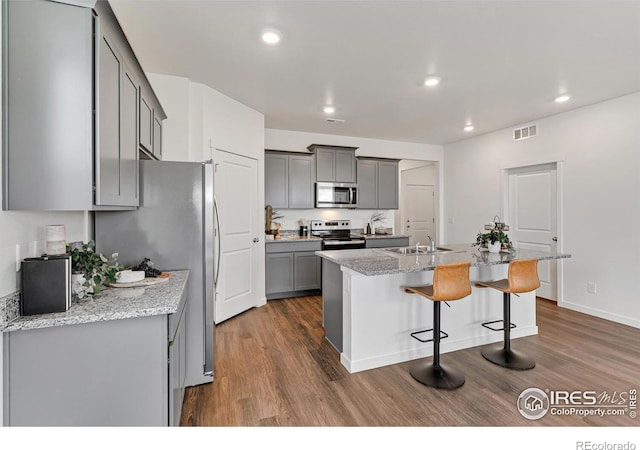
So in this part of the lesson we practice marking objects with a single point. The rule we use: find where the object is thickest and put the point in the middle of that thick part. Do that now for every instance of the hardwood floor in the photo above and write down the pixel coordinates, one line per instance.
(273, 367)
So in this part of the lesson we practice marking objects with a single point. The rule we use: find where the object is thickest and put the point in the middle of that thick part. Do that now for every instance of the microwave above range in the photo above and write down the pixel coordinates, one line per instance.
(336, 195)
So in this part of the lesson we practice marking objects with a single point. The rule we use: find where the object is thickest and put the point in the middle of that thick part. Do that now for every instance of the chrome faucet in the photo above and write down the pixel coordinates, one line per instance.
(433, 244)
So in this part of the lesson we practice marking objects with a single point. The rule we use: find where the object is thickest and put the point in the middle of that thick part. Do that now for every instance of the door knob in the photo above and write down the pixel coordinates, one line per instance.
(554, 239)
(256, 239)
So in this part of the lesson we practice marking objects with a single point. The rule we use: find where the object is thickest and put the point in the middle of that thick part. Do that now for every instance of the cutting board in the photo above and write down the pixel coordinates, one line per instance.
(149, 281)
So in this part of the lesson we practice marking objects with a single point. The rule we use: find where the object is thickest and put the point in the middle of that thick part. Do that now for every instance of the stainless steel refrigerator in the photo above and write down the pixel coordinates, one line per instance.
(174, 227)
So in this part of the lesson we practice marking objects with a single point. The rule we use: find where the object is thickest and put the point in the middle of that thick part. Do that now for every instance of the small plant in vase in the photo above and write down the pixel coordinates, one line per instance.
(91, 271)
(494, 240)
(377, 217)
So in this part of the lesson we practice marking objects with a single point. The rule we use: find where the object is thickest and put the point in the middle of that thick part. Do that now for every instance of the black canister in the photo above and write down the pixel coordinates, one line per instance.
(304, 230)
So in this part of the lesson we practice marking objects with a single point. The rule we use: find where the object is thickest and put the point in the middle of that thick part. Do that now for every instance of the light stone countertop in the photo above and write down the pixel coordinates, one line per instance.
(112, 304)
(378, 261)
(381, 236)
(293, 238)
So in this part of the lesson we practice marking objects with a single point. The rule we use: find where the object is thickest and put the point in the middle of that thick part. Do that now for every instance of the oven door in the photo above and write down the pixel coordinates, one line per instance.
(337, 244)
(336, 195)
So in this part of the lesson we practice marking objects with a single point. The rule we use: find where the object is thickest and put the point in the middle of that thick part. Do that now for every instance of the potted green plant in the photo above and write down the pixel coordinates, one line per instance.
(91, 271)
(494, 240)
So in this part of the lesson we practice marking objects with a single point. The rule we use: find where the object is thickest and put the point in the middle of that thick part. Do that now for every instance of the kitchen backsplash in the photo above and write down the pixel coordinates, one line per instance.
(359, 217)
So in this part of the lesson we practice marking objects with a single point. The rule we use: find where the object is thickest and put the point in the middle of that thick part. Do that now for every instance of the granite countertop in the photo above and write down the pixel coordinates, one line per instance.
(112, 304)
(380, 236)
(377, 261)
(296, 238)
(293, 238)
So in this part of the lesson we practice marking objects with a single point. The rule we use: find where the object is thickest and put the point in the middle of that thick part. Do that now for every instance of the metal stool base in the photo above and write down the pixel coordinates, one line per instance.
(436, 376)
(510, 359)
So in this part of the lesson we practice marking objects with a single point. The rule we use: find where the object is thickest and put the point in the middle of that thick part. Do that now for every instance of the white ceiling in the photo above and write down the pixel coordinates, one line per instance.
(502, 62)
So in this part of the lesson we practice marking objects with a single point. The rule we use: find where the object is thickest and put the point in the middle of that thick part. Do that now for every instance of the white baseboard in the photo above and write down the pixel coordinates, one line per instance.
(624, 320)
(446, 346)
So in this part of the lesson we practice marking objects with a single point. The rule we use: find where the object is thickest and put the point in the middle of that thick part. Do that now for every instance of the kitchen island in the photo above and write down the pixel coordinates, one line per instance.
(114, 359)
(368, 317)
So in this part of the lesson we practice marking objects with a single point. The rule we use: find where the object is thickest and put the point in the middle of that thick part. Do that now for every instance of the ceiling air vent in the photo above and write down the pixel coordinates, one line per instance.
(525, 132)
(332, 120)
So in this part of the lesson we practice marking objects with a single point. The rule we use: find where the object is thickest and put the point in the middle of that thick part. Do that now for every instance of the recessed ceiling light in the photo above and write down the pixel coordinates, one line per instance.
(432, 81)
(271, 37)
(562, 98)
(469, 128)
(329, 109)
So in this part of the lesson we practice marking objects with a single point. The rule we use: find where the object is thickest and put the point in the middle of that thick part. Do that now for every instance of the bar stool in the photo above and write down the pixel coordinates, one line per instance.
(523, 277)
(450, 282)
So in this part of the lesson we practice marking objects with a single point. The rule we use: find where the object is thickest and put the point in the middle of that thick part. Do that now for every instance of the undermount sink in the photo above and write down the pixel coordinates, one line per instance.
(420, 250)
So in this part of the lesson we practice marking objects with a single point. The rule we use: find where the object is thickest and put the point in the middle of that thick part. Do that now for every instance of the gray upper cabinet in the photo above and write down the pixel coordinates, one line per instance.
(117, 149)
(301, 181)
(388, 185)
(84, 152)
(146, 123)
(336, 164)
(367, 184)
(289, 180)
(377, 184)
(150, 127)
(47, 120)
(157, 137)
(129, 141)
(276, 180)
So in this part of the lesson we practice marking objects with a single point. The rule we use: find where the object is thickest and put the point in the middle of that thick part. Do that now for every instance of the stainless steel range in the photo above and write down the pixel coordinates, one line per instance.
(336, 234)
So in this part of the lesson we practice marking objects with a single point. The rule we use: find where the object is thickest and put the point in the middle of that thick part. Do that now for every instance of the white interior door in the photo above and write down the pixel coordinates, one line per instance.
(418, 208)
(236, 197)
(533, 221)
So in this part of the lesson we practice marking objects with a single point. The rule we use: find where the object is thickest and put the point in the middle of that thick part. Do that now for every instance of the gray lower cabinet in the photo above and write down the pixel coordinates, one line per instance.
(307, 271)
(128, 372)
(289, 180)
(332, 303)
(378, 184)
(402, 241)
(292, 269)
(279, 273)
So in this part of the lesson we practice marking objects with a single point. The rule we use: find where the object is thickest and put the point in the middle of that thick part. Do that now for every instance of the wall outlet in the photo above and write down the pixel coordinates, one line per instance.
(591, 287)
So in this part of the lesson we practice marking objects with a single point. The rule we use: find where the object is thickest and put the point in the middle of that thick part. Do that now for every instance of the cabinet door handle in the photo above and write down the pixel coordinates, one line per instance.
(256, 239)
(554, 239)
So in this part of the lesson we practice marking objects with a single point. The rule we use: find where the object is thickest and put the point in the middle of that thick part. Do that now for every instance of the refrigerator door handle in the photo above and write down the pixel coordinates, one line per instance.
(215, 209)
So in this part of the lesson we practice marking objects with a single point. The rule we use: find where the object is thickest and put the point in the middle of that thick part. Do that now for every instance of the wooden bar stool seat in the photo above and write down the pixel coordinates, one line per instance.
(522, 277)
(450, 282)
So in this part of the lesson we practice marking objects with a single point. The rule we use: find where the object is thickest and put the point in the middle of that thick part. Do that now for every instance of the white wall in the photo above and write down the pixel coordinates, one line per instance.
(297, 141)
(358, 217)
(204, 120)
(601, 204)
(428, 175)
(173, 94)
